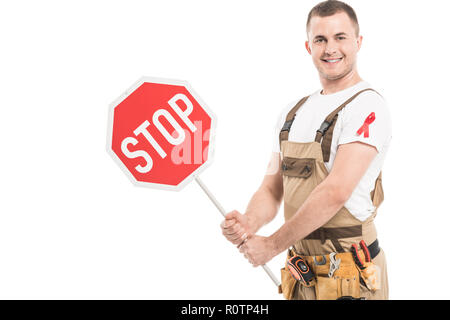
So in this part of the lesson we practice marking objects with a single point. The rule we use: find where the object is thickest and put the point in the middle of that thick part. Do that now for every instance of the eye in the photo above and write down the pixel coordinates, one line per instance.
(341, 38)
(319, 40)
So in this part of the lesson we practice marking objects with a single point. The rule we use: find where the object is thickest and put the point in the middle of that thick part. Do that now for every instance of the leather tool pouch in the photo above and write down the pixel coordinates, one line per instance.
(300, 168)
(371, 276)
(344, 282)
(287, 284)
(336, 287)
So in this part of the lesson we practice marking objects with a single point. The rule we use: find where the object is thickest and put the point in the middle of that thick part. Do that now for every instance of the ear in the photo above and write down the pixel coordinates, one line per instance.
(359, 42)
(307, 47)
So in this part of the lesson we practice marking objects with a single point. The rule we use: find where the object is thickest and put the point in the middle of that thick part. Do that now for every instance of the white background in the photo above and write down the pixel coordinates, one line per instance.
(73, 226)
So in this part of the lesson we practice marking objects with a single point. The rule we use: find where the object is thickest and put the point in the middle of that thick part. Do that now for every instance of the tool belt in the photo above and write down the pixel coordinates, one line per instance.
(333, 276)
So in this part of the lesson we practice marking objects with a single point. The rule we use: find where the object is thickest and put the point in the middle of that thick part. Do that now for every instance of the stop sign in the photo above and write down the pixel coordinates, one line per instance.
(160, 133)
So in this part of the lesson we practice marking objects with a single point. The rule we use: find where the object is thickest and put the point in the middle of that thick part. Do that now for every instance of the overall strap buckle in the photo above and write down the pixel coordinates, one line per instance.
(287, 125)
(323, 127)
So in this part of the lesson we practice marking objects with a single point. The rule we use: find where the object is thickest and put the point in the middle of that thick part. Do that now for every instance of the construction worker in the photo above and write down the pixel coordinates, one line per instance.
(326, 166)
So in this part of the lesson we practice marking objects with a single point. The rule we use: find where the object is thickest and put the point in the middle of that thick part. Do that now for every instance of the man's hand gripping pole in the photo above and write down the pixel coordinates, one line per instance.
(223, 212)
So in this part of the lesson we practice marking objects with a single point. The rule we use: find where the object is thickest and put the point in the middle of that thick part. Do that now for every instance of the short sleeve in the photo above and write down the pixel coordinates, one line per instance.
(279, 124)
(276, 135)
(366, 119)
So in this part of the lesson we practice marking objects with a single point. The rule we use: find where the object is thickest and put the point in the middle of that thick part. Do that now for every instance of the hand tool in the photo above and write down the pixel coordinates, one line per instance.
(364, 248)
(322, 262)
(359, 262)
(370, 273)
(334, 264)
(300, 270)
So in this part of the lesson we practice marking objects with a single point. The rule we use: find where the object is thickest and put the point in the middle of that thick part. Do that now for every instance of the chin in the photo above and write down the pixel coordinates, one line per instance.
(335, 75)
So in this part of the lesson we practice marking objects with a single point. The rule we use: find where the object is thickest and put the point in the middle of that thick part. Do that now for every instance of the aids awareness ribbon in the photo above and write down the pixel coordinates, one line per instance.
(365, 127)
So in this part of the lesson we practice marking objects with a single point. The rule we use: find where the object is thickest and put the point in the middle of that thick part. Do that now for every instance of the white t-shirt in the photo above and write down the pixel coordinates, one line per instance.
(314, 111)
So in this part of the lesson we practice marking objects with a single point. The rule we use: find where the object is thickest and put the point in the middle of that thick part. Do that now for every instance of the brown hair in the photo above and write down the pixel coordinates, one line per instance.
(330, 7)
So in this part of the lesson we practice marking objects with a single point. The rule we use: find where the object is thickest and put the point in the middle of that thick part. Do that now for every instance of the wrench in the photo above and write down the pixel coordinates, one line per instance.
(322, 262)
(334, 264)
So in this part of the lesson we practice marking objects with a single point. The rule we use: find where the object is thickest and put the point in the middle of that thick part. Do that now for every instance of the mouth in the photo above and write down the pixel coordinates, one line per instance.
(332, 61)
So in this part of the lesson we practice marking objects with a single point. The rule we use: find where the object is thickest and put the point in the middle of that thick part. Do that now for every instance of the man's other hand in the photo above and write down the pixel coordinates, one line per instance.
(236, 228)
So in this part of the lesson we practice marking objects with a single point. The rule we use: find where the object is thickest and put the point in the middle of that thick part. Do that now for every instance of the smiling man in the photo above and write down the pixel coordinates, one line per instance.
(326, 167)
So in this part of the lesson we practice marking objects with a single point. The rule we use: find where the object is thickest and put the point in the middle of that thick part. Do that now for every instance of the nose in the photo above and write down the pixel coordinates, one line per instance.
(331, 48)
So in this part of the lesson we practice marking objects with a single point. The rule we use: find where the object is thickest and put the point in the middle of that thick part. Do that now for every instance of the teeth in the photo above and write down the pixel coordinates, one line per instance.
(336, 60)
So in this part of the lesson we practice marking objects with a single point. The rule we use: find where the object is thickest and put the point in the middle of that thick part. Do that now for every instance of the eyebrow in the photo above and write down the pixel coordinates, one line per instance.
(336, 35)
(319, 37)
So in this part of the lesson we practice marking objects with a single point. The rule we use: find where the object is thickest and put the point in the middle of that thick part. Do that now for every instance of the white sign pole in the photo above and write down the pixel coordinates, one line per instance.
(223, 212)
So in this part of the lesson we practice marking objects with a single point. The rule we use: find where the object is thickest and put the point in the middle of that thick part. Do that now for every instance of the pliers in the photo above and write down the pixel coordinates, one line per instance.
(360, 262)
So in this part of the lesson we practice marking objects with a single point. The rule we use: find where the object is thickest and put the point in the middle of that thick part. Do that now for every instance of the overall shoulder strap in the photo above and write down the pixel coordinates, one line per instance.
(325, 132)
(284, 133)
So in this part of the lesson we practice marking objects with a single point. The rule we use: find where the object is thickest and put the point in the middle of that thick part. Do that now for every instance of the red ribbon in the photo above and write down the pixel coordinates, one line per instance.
(365, 127)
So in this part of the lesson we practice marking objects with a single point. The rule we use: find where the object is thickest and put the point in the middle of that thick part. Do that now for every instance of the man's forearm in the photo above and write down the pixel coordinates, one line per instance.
(262, 208)
(322, 204)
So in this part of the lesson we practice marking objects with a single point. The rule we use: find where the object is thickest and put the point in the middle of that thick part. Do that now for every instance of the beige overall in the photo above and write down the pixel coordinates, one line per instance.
(303, 169)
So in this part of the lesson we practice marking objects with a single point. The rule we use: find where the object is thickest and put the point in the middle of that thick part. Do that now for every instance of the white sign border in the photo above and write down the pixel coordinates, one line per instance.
(130, 90)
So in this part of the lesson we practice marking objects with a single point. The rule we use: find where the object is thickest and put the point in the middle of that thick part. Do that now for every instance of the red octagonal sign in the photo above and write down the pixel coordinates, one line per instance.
(160, 133)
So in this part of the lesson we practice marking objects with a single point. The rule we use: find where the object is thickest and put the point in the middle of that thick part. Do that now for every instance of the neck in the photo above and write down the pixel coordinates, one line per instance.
(336, 85)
